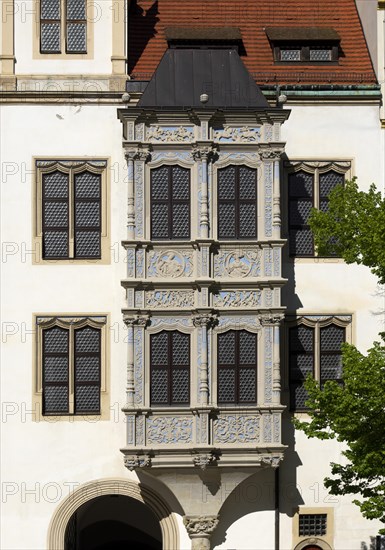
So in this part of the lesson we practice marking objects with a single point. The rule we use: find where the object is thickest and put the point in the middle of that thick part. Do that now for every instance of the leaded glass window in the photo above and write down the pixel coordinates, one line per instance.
(71, 370)
(307, 190)
(237, 367)
(71, 214)
(237, 203)
(170, 203)
(63, 22)
(170, 368)
(316, 351)
(312, 525)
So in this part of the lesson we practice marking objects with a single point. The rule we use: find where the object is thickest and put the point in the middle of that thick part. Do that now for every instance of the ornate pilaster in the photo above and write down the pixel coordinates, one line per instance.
(204, 321)
(204, 152)
(274, 320)
(132, 155)
(130, 321)
(200, 529)
(276, 201)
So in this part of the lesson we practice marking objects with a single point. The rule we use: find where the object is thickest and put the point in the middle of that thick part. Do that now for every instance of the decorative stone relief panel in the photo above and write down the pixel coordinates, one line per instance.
(268, 297)
(268, 363)
(140, 263)
(237, 298)
(237, 263)
(130, 262)
(169, 429)
(268, 170)
(139, 197)
(139, 132)
(170, 263)
(277, 261)
(138, 364)
(268, 261)
(139, 298)
(140, 420)
(171, 322)
(276, 428)
(170, 298)
(225, 158)
(231, 134)
(248, 322)
(268, 132)
(267, 428)
(234, 428)
(130, 420)
(170, 134)
(165, 156)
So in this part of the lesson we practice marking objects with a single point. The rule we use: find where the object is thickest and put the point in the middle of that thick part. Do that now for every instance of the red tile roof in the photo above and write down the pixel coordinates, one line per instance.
(148, 20)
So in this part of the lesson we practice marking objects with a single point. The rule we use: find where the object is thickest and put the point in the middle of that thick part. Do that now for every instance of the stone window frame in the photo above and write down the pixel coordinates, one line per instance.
(314, 167)
(71, 166)
(180, 324)
(90, 19)
(245, 159)
(326, 541)
(168, 159)
(71, 322)
(316, 322)
(237, 323)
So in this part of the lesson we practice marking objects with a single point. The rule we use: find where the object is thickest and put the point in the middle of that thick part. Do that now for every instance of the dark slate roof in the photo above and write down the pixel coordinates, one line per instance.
(202, 33)
(301, 33)
(184, 74)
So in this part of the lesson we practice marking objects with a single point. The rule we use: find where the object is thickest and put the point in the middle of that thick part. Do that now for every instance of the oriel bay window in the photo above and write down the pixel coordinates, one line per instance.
(307, 190)
(70, 365)
(237, 367)
(170, 368)
(170, 203)
(72, 210)
(237, 202)
(316, 351)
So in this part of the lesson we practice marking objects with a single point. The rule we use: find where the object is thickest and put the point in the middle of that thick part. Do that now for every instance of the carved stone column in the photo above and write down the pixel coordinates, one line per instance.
(204, 153)
(130, 321)
(274, 320)
(204, 321)
(276, 200)
(132, 155)
(200, 529)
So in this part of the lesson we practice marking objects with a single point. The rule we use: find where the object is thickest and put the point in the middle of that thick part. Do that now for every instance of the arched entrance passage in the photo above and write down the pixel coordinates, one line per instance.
(64, 521)
(113, 522)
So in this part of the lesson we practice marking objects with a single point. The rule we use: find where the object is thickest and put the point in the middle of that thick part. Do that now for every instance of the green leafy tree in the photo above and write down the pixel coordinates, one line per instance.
(353, 228)
(353, 412)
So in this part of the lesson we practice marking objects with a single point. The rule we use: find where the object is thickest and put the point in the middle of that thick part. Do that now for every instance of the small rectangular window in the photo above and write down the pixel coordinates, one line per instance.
(312, 525)
(63, 26)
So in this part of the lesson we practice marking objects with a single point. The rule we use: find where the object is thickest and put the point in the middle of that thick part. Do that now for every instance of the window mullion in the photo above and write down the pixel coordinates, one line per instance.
(317, 353)
(171, 203)
(236, 198)
(237, 358)
(71, 372)
(63, 25)
(169, 335)
(71, 207)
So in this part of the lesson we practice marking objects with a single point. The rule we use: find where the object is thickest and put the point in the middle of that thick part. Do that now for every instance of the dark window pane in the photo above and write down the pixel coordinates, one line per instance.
(301, 338)
(298, 396)
(87, 399)
(226, 220)
(290, 54)
(328, 181)
(76, 9)
(332, 338)
(55, 185)
(76, 38)
(180, 349)
(312, 525)
(299, 211)
(50, 38)
(247, 385)
(247, 183)
(87, 368)
(87, 340)
(226, 385)
(180, 386)
(159, 220)
(331, 367)
(87, 244)
(301, 242)
(87, 214)
(247, 220)
(55, 399)
(180, 221)
(180, 183)
(159, 348)
(301, 185)
(247, 348)
(55, 244)
(56, 214)
(55, 369)
(301, 365)
(159, 386)
(320, 55)
(226, 348)
(87, 186)
(226, 183)
(56, 340)
(159, 183)
(50, 9)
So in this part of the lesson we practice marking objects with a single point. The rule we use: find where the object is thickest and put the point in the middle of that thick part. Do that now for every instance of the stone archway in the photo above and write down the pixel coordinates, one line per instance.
(115, 486)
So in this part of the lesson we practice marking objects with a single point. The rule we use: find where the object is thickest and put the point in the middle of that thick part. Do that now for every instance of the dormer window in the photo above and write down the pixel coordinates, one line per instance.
(226, 38)
(312, 45)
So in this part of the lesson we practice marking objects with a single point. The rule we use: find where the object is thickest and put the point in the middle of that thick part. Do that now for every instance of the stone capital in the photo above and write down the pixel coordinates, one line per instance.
(137, 153)
(202, 461)
(271, 319)
(132, 462)
(273, 461)
(203, 152)
(200, 526)
(205, 320)
(139, 320)
(271, 154)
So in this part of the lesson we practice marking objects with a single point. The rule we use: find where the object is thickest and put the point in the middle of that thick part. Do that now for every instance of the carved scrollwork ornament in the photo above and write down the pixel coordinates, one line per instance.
(137, 153)
(207, 320)
(132, 462)
(271, 154)
(273, 461)
(202, 461)
(204, 152)
(271, 318)
(139, 320)
(200, 526)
